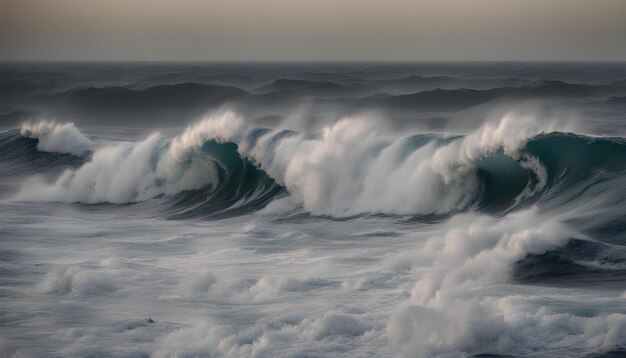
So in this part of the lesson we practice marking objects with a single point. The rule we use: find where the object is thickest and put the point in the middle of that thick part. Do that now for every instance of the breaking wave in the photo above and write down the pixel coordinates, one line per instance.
(350, 168)
(58, 138)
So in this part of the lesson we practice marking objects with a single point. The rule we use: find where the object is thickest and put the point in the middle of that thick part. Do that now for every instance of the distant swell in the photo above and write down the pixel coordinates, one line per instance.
(223, 166)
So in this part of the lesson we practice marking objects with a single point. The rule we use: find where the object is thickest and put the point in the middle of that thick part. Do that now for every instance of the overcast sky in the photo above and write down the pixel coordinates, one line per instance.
(313, 30)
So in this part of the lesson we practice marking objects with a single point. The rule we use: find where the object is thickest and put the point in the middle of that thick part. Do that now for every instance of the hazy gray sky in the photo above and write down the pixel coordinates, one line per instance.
(313, 29)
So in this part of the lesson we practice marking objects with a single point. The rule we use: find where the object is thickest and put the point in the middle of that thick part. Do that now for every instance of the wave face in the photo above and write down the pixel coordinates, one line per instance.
(351, 168)
(20, 156)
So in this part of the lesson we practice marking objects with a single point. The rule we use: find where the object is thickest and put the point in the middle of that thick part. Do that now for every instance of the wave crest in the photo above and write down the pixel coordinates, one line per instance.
(58, 138)
(127, 172)
(352, 167)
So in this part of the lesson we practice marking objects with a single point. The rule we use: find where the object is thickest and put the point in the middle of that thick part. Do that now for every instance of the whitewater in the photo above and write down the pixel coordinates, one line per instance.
(230, 236)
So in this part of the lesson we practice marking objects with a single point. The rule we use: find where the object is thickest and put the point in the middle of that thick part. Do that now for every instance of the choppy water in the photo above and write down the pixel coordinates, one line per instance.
(313, 209)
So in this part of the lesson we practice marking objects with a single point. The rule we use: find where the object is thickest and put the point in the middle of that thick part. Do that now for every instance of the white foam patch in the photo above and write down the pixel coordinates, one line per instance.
(267, 287)
(286, 335)
(502, 326)
(76, 280)
(199, 284)
(57, 137)
(448, 314)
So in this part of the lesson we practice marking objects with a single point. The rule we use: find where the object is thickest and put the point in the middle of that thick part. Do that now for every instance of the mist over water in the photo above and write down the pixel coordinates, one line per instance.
(418, 210)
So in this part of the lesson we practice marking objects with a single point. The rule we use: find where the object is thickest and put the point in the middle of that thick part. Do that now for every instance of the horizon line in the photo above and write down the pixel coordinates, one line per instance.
(311, 61)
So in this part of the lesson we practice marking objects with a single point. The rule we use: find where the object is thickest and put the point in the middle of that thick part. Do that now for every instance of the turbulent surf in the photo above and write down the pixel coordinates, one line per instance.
(493, 231)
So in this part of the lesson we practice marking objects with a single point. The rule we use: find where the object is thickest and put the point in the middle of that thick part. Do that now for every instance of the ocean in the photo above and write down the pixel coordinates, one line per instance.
(291, 209)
